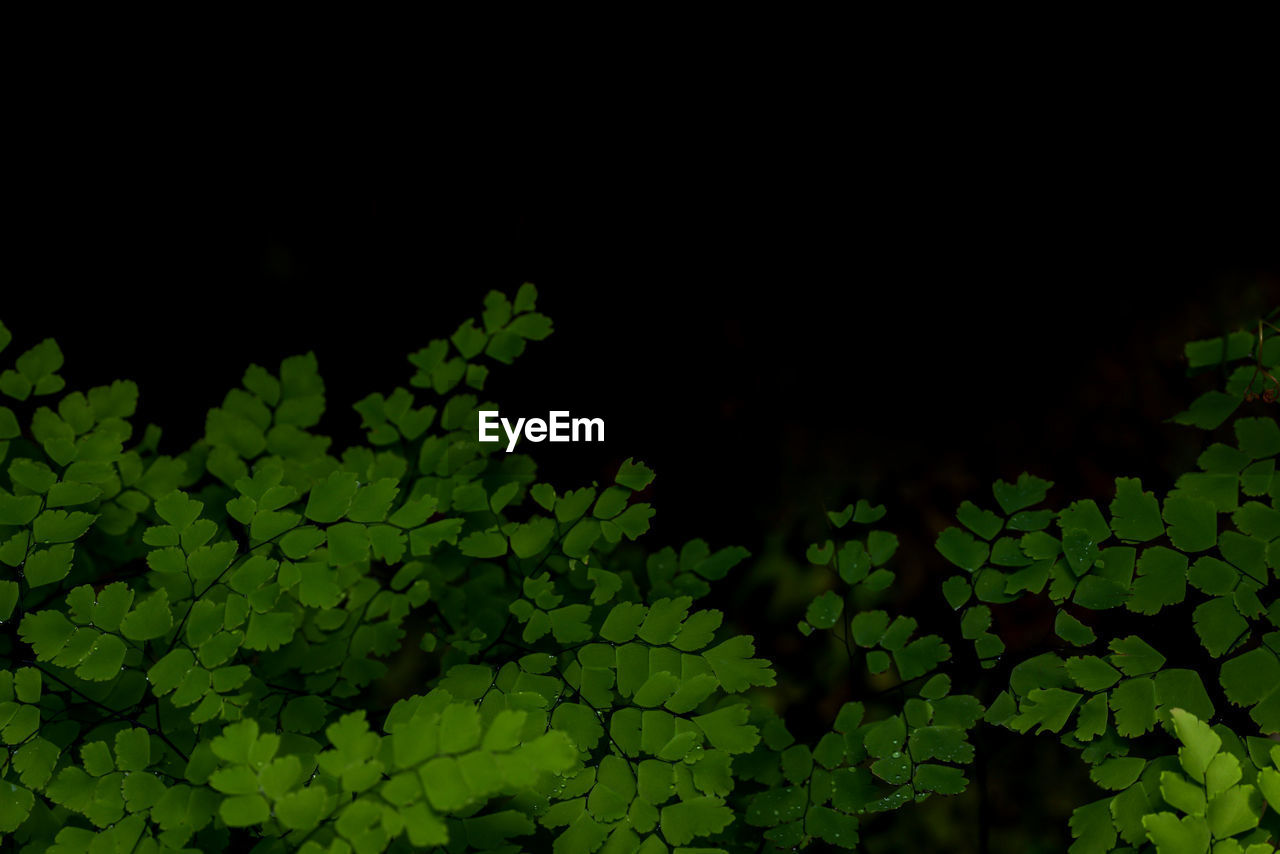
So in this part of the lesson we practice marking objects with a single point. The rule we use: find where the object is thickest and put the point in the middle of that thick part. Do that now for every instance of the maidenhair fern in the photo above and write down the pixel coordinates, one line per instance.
(1207, 552)
(195, 649)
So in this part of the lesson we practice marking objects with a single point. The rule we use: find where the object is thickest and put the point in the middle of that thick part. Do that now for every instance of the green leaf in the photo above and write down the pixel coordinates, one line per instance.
(15, 385)
(1049, 708)
(664, 619)
(1085, 515)
(104, 659)
(1216, 351)
(1245, 553)
(1223, 773)
(703, 816)
(962, 549)
(46, 566)
(459, 728)
(349, 543)
(1213, 576)
(1190, 835)
(529, 539)
(68, 494)
(1092, 720)
(1080, 550)
(59, 526)
(1092, 673)
(1134, 656)
(1133, 704)
(569, 624)
(1200, 744)
(984, 523)
(698, 630)
(607, 584)
(34, 762)
(1027, 491)
(1219, 625)
(1119, 773)
(133, 749)
(18, 510)
(1072, 630)
(15, 806)
(836, 828)
(727, 729)
(1235, 811)
(777, 806)
(824, 611)
(866, 513)
(887, 737)
(151, 618)
(301, 810)
(580, 723)
(957, 591)
(1193, 523)
(1091, 825)
(38, 365)
(716, 566)
(1251, 677)
(633, 522)
(484, 544)
(572, 505)
(469, 340)
(1135, 515)
(1268, 784)
(8, 598)
(1258, 437)
(1031, 520)
(423, 540)
(1209, 410)
(634, 476)
(881, 546)
(868, 627)
(268, 525)
(26, 685)
(975, 622)
(942, 779)
(578, 542)
(1178, 792)
(1161, 581)
(331, 498)
(244, 810)
(614, 790)
(47, 632)
(623, 622)
(840, 519)
(733, 665)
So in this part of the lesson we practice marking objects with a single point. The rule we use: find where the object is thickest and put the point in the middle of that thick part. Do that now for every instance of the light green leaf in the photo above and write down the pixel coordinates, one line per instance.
(1190, 835)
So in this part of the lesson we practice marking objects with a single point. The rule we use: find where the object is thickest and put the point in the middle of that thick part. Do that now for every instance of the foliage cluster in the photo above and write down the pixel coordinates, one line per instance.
(195, 648)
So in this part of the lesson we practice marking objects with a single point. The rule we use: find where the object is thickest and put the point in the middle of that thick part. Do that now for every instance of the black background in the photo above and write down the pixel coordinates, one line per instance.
(902, 329)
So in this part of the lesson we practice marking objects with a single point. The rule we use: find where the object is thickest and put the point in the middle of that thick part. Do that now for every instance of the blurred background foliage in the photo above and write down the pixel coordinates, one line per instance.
(772, 346)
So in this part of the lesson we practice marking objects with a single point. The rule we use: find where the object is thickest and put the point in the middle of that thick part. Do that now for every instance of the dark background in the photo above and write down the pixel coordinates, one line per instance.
(774, 332)
(793, 336)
